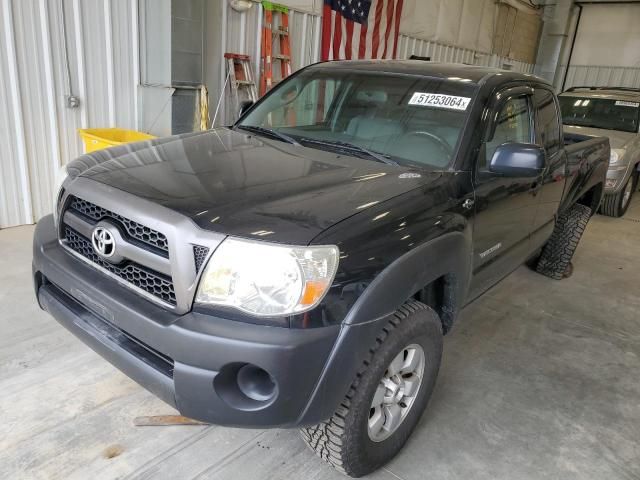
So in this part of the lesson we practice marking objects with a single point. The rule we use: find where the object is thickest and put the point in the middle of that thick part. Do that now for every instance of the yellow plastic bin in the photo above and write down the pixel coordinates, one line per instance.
(99, 138)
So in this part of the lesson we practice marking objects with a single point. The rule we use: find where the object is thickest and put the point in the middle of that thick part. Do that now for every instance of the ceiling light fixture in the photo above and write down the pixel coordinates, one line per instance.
(240, 5)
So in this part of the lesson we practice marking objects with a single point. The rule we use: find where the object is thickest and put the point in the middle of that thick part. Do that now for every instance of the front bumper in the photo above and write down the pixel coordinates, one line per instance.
(178, 357)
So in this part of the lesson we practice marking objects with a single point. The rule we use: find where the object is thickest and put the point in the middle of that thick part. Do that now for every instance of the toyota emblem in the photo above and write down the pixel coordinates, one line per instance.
(103, 242)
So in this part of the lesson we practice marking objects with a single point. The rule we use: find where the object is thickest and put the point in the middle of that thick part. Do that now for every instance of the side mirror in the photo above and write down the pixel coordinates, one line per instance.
(517, 160)
(244, 106)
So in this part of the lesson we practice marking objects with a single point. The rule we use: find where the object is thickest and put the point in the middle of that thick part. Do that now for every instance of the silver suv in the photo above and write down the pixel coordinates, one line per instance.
(612, 112)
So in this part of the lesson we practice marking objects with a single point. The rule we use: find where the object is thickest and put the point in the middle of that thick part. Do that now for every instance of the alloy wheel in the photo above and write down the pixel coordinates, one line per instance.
(396, 392)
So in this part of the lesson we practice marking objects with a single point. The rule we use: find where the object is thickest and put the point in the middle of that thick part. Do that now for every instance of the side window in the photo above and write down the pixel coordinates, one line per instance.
(513, 125)
(548, 121)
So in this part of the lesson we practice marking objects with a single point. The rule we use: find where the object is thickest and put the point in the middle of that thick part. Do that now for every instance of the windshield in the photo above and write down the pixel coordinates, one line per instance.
(404, 119)
(605, 113)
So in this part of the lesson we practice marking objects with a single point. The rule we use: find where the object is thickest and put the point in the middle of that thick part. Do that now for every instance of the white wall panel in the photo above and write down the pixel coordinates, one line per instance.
(38, 133)
(599, 75)
(308, 6)
(155, 94)
(607, 48)
(37, 103)
(608, 35)
(463, 23)
(439, 52)
(15, 199)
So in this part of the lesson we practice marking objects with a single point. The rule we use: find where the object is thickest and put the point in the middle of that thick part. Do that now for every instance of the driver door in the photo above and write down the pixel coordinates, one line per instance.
(505, 206)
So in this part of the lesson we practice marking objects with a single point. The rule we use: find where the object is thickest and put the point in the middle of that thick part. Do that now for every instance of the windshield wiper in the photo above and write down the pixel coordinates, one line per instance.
(269, 132)
(350, 146)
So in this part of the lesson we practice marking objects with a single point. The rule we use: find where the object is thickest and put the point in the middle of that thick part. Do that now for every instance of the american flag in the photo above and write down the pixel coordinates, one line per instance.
(353, 29)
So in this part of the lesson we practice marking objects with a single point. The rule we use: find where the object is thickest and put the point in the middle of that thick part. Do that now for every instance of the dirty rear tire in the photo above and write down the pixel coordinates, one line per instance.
(614, 205)
(343, 440)
(557, 253)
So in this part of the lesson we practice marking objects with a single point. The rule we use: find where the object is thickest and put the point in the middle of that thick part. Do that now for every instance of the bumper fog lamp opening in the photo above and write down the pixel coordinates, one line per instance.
(256, 383)
(245, 387)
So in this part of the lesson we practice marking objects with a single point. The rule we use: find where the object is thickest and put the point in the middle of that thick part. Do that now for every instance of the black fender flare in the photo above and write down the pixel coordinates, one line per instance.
(449, 254)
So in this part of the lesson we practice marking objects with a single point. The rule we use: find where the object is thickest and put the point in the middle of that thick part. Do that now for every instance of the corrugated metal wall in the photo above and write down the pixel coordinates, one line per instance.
(243, 35)
(38, 133)
(445, 53)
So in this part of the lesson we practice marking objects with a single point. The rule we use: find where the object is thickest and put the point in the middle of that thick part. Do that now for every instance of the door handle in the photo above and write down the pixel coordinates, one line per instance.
(468, 203)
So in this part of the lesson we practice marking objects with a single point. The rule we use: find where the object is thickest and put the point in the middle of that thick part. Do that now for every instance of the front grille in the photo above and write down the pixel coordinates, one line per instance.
(154, 283)
(199, 255)
(134, 230)
(141, 232)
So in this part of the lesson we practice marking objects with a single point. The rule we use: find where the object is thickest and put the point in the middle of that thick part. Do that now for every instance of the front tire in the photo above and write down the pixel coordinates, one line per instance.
(616, 205)
(392, 387)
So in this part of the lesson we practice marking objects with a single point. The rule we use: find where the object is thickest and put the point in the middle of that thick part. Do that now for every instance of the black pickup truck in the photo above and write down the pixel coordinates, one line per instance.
(299, 268)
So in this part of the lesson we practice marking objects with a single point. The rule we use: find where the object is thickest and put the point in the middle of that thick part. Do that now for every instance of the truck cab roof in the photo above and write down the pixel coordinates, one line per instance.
(450, 71)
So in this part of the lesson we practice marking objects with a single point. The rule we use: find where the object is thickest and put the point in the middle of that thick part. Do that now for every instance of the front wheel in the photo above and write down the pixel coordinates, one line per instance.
(387, 397)
(616, 205)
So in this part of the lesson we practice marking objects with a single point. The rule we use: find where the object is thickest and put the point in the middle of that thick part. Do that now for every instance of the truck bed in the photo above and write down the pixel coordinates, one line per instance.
(571, 139)
(585, 155)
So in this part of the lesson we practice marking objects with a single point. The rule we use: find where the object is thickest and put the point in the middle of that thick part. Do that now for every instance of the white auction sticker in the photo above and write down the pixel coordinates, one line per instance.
(622, 103)
(438, 100)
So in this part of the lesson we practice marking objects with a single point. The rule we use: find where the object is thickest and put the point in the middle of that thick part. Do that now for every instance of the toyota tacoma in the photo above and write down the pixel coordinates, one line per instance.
(300, 268)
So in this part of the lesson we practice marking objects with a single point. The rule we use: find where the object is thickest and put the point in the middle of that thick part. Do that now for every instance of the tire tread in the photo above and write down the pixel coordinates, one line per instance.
(325, 438)
(609, 206)
(557, 253)
(612, 203)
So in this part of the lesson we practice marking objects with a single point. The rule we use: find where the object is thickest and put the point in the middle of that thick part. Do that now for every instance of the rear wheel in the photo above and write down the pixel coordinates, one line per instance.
(387, 397)
(616, 205)
(555, 260)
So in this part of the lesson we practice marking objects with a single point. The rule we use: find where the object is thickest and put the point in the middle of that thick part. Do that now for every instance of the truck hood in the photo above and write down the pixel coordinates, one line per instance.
(238, 184)
(617, 139)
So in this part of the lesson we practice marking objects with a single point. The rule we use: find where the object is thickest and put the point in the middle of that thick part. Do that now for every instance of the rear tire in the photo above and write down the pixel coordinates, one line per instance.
(616, 205)
(346, 440)
(557, 253)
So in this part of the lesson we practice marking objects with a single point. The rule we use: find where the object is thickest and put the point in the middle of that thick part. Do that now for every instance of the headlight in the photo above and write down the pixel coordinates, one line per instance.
(616, 154)
(267, 279)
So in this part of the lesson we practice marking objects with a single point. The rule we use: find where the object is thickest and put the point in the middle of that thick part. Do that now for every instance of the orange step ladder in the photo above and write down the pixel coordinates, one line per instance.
(273, 12)
(240, 78)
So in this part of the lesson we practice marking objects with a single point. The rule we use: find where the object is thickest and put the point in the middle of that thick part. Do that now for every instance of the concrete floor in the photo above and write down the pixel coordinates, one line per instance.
(540, 380)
